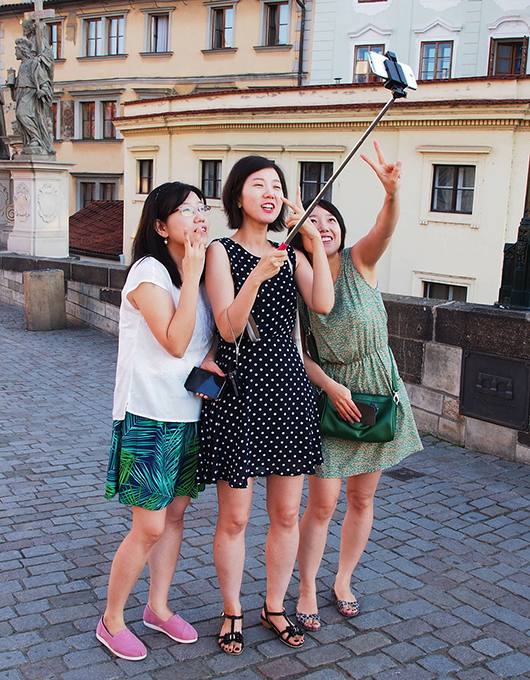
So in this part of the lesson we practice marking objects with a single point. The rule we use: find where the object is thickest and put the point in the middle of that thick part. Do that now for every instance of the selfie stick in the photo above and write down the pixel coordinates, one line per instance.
(396, 82)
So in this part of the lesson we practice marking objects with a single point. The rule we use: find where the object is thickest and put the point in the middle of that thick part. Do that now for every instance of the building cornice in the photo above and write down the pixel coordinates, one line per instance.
(518, 110)
(277, 89)
(168, 127)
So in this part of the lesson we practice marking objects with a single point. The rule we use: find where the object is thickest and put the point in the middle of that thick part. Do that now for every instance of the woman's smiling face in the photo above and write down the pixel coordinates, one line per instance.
(261, 196)
(328, 227)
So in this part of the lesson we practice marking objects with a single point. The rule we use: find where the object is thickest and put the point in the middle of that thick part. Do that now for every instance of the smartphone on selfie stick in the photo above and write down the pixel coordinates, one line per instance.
(396, 77)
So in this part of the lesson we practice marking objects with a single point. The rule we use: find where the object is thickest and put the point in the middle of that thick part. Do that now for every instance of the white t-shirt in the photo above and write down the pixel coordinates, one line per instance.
(149, 381)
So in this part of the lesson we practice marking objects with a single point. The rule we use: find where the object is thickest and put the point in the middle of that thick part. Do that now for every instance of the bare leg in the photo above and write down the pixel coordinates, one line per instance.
(323, 495)
(229, 549)
(164, 556)
(356, 528)
(129, 561)
(283, 506)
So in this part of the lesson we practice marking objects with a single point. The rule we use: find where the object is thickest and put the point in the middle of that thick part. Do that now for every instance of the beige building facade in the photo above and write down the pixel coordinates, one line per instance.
(110, 53)
(464, 145)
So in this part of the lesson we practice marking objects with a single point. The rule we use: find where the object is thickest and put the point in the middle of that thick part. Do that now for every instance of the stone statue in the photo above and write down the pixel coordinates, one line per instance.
(32, 90)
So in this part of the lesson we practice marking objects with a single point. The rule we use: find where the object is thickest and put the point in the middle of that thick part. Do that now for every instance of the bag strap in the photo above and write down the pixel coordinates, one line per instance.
(312, 348)
(237, 343)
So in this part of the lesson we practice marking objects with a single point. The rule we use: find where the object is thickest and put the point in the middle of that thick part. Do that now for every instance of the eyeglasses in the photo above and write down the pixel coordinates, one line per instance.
(191, 210)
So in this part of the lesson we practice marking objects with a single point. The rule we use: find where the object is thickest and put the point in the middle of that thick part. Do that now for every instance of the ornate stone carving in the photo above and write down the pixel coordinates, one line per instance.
(48, 200)
(22, 202)
(4, 199)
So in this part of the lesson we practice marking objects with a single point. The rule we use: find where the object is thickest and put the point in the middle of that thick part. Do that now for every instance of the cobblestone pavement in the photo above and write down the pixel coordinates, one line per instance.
(444, 585)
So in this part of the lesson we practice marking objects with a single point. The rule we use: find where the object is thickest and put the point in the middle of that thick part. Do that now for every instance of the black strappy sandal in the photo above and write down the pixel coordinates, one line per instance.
(233, 636)
(285, 635)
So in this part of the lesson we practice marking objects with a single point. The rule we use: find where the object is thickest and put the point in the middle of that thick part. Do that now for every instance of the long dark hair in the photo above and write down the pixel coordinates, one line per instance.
(159, 205)
(234, 185)
(297, 240)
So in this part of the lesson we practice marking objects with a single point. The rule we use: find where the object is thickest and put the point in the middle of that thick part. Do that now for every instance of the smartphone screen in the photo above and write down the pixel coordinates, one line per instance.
(205, 382)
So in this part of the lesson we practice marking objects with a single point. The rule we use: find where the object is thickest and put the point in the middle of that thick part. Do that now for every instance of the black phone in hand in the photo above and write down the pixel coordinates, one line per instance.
(368, 412)
(205, 382)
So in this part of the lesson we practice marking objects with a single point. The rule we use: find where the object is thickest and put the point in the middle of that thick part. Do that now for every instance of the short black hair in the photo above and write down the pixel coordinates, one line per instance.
(234, 186)
(327, 205)
(159, 205)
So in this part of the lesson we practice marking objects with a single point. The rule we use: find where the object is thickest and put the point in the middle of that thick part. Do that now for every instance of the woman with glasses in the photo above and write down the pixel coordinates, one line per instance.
(166, 329)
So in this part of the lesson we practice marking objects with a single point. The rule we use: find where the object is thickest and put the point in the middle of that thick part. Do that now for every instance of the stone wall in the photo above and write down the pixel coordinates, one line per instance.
(428, 338)
(92, 291)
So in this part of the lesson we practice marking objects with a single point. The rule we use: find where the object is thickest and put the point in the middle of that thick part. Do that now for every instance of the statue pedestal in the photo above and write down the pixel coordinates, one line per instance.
(40, 189)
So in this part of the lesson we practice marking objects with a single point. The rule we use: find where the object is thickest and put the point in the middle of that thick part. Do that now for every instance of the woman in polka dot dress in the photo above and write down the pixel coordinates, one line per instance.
(270, 427)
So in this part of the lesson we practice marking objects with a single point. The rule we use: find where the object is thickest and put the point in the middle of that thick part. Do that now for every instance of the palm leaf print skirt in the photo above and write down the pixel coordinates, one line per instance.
(151, 462)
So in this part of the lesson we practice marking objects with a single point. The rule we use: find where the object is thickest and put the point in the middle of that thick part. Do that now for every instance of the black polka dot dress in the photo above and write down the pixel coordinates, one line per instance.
(272, 426)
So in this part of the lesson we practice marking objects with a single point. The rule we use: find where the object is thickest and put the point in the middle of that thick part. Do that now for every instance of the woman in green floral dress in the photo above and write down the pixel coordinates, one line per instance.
(352, 342)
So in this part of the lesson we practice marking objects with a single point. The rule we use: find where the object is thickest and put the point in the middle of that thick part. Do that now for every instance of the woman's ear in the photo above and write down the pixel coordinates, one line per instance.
(160, 228)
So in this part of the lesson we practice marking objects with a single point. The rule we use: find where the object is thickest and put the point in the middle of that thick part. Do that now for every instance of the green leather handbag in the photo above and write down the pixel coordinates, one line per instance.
(385, 405)
(384, 429)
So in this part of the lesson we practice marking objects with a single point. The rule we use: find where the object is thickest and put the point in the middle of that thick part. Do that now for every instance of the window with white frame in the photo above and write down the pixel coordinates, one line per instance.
(313, 176)
(222, 22)
(436, 58)
(104, 36)
(92, 187)
(453, 188)
(508, 56)
(158, 32)
(55, 38)
(444, 291)
(361, 67)
(55, 115)
(94, 118)
(276, 23)
(145, 175)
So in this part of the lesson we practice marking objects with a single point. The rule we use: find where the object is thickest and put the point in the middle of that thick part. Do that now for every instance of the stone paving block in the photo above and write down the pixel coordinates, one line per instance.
(225, 663)
(510, 666)
(490, 647)
(366, 666)
(12, 674)
(327, 674)
(403, 652)
(509, 617)
(408, 672)
(369, 642)
(476, 674)
(458, 634)
(286, 667)
(465, 656)
(407, 630)
(100, 671)
(11, 658)
(187, 670)
(439, 664)
(472, 616)
(48, 650)
(323, 655)
(413, 609)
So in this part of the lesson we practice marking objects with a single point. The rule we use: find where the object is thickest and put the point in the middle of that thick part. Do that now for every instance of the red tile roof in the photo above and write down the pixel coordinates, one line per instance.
(98, 229)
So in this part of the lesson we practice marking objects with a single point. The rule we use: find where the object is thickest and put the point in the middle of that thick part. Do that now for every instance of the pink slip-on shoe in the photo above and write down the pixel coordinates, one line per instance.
(175, 627)
(124, 644)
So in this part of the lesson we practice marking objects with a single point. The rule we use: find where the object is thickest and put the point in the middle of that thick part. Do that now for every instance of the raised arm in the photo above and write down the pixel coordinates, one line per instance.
(173, 328)
(315, 282)
(220, 288)
(369, 249)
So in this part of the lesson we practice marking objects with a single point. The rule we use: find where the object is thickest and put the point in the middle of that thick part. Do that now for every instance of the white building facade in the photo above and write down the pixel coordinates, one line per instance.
(439, 39)
(464, 145)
